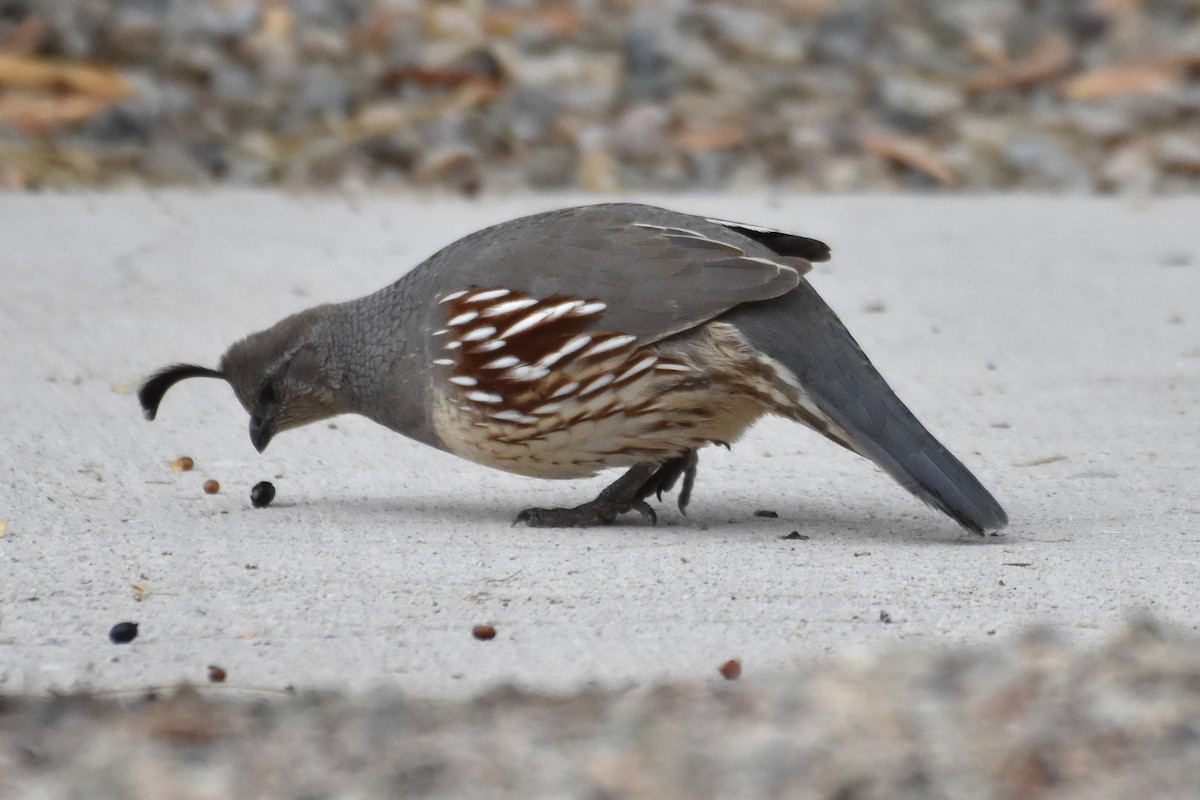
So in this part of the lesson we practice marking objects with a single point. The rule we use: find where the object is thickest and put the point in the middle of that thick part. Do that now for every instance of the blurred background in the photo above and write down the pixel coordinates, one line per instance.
(1075, 96)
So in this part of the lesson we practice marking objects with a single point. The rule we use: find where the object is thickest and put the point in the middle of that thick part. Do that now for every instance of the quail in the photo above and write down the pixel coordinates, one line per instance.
(568, 342)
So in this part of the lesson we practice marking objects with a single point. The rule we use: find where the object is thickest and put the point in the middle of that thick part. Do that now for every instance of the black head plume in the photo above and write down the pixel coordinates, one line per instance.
(152, 391)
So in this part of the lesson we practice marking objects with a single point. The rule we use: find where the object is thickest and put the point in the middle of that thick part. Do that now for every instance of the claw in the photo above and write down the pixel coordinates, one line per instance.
(643, 508)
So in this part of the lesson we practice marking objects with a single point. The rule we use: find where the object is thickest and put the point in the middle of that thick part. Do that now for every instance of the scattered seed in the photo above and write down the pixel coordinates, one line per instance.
(484, 633)
(181, 464)
(766, 513)
(211, 486)
(123, 632)
(794, 535)
(216, 674)
(1037, 462)
(731, 670)
(262, 494)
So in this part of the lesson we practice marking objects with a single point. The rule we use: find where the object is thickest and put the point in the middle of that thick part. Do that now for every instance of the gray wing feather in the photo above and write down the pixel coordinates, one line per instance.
(658, 271)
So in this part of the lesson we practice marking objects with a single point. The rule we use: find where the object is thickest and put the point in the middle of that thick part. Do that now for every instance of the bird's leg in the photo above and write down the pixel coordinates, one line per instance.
(627, 493)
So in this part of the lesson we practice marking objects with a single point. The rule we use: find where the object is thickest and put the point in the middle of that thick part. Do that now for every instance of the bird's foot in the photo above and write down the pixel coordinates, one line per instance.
(627, 493)
(597, 512)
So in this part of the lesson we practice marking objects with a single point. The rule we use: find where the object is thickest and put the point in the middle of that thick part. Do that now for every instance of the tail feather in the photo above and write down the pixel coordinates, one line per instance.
(801, 332)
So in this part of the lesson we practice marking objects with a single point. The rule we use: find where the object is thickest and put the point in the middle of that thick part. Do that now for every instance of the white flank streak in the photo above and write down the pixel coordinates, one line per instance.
(441, 332)
(610, 344)
(487, 347)
(463, 380)
(673, 367)
(503, 362)
(556, 312)
(527, 322)
(766, 261)
(594, 307)
(566, 350)
(670, 230)
(508, 415)
(463, 318)
(598, 384)
(641, 366)
(444, 362)
(479, 333)
(728, 224)
(525, 372)
(548, 408)
(453, 296)
(565, 389)
(490, 294)
(484, 397)
(453, 345)
(509, 306)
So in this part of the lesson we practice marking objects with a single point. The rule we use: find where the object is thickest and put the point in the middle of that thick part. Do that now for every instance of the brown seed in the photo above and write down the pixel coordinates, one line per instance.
(484, 633)
(262, 494)
(216, 674)
(182, 464)
(211, 486)
(731, 669)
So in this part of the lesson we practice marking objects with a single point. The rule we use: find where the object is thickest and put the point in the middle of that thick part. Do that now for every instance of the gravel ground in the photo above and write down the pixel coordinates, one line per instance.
(603, 95)
(1031, 718)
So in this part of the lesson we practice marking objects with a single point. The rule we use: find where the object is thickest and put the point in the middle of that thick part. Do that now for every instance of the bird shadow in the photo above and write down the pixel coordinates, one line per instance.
(713, 520)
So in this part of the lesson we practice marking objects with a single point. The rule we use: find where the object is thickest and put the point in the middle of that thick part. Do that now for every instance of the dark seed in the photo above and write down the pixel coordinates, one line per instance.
(216, 674)
(123, 632)
(484, 633)
(211, 486)
(731, 669)
(767, 513)
(262, 494)
(794, 535)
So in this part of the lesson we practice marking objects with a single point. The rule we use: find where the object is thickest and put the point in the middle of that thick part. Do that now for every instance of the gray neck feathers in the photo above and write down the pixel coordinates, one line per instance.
(380, 345)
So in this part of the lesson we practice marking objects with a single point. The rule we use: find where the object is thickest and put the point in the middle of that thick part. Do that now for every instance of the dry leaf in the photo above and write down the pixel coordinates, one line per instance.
(701, 139)
(37, 95)
(561, 21)
(140, 591)
(3, 526)
(56, 76)
(1052, 55)
(1108, 82)
(910, 153)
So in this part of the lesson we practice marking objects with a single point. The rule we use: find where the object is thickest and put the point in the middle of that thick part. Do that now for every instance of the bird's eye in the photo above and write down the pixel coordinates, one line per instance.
(267, 395)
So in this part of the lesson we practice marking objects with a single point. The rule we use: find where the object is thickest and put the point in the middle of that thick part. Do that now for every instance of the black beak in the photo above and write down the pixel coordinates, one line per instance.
(261, 431)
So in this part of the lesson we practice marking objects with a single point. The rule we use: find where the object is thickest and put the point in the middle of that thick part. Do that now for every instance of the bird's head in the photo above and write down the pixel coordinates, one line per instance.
(279, 375)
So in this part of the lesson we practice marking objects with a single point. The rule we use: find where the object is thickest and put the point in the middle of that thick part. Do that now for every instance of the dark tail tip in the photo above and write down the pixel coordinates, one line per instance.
(152, 391)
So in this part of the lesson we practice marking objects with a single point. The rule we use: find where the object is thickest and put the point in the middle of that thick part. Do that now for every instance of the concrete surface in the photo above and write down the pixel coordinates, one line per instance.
(1054, 344)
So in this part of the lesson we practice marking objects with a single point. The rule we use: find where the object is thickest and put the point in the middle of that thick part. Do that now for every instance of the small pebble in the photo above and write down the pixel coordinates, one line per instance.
(262, 494)
(216, 674)
(885, 618)
(731, 670)
(794, 535)
(484, 633)
(123, 632)
(211, 486)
